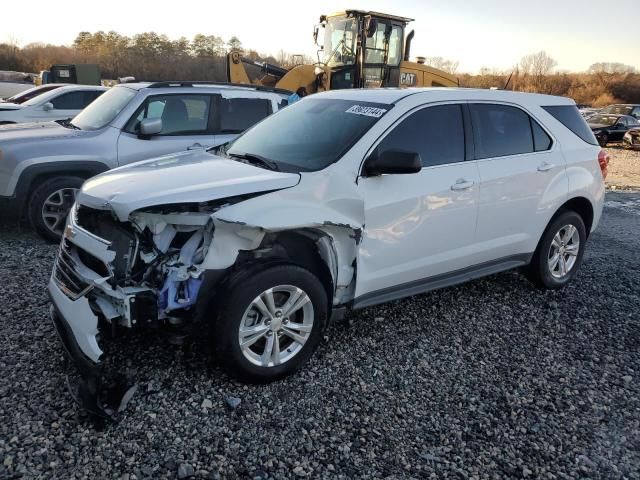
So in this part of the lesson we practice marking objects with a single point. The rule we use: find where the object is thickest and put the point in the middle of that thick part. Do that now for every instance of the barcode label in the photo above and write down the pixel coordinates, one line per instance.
(367, 111)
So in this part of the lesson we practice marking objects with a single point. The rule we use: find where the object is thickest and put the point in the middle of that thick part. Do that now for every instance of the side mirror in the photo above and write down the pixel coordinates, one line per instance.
(391, 162)
(150, 127)
(315, 35)
(620, 125)
(47, 107)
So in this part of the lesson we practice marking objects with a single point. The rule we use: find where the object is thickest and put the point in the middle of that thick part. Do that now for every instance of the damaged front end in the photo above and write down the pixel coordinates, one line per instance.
(149, 267)
(111, 275)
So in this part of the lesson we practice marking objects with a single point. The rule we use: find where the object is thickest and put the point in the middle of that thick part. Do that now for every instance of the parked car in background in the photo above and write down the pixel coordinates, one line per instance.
(587, 112)
(611, 128)
(632, 109)
(631, 139)
(344, 200)
(20, 98)
(43, 165)
(12, 83)
(57, 104)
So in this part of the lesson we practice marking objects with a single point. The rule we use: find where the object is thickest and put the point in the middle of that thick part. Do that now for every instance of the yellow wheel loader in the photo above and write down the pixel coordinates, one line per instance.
(360, 50)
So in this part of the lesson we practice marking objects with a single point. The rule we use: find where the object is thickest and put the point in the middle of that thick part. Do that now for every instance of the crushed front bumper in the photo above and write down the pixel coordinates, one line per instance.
(73, 285)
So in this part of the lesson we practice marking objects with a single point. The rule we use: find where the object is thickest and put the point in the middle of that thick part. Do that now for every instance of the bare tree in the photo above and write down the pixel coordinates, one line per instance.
(450, 66)
(611, 67)
(535, 68)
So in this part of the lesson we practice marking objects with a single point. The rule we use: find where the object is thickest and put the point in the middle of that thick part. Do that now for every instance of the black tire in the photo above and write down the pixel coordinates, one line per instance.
(603, 140)
(539, 271)
(235, 302)
(45, 228)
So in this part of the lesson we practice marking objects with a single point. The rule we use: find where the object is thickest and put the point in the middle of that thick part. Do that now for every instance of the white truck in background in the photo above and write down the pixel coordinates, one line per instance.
(15, 82)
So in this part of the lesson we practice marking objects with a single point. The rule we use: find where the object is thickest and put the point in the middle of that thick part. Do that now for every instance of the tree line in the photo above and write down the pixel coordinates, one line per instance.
(151, 56)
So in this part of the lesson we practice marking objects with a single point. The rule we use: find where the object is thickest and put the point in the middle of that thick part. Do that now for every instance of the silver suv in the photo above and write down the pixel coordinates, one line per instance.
(42, 166)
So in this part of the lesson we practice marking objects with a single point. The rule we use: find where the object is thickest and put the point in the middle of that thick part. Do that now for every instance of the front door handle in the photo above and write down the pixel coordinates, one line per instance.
(462, 184)
(545, 166)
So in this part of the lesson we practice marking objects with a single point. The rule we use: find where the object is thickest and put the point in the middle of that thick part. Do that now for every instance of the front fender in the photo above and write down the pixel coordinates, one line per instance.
(26, 172)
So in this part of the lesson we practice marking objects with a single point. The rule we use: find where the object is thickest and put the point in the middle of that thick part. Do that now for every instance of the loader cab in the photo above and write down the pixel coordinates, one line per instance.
(363, 49)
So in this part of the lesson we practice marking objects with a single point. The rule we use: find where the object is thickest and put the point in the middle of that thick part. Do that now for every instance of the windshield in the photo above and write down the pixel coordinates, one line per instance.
(340, 41)
(105, 108)
(604, 119)
(310, 134)
(31, 93)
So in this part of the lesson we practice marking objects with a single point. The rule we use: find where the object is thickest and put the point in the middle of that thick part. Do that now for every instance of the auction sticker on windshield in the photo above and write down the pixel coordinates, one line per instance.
(368, 111)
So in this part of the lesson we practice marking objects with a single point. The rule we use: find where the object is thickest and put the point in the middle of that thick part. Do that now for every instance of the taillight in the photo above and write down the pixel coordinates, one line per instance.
(603, 160)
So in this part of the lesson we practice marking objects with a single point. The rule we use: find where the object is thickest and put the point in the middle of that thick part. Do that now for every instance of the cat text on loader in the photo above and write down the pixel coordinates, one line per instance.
(360, 50)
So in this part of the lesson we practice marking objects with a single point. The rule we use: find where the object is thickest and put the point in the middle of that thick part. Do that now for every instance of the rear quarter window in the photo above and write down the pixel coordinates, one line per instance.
(570, 117)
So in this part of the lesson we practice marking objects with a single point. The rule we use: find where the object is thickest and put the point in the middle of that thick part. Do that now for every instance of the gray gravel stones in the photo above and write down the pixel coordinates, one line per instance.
(185, 471)
(492, 379)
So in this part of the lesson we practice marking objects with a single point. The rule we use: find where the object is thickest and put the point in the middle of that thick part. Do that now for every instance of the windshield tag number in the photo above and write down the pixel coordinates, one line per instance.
(367, 111)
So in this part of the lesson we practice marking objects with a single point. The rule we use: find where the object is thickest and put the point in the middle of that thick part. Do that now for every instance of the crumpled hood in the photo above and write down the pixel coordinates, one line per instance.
(27, 132)
(186, 177)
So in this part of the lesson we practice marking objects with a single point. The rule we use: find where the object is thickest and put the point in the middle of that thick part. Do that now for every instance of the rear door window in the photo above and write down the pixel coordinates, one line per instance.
(238, 114)
(436, 133)
(501, 130)
(541, 139)
(70, 101)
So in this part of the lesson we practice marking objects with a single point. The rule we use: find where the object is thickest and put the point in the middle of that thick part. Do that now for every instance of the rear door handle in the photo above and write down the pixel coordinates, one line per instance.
(462, 184)
(545, 166)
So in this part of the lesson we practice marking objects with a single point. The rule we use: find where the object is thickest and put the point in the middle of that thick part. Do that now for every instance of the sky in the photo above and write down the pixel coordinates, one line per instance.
(476, 33)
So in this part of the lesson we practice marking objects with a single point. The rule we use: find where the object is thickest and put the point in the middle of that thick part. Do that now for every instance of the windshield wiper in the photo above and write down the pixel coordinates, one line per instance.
(68, 124)
(255, 160)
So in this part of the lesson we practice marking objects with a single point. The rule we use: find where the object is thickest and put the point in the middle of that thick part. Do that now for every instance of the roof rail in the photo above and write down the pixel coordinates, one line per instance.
(251, 86)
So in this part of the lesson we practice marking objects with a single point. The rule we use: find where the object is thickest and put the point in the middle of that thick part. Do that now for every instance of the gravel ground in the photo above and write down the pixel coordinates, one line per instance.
(492, 379)
(624, 168)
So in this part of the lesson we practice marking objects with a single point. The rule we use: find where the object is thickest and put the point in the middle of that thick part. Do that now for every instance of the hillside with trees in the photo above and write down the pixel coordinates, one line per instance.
(152, 56)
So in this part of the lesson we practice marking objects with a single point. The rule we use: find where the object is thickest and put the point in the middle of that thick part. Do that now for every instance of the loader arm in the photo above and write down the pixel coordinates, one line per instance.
(272, 75)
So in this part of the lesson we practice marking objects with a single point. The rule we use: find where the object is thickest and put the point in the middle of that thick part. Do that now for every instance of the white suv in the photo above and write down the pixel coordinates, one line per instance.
(345, 199)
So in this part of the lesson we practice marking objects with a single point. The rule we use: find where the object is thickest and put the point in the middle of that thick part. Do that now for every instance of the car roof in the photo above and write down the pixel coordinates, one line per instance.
(72, 87)
(44, 97)
(434, 94)
(186, 86)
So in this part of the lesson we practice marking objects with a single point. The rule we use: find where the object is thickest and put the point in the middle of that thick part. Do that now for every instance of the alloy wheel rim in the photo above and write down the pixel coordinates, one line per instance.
(276, 326)
(563, 252)
(56, 207)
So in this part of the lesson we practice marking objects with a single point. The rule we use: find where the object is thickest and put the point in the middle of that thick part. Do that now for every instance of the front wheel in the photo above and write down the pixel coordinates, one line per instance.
(270, 323)
(559, 253)
(50, 203)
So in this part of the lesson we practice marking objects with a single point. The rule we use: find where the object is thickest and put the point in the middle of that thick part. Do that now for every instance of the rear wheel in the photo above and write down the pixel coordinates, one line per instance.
(50, 203)
(559, 253)
(270, 323)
